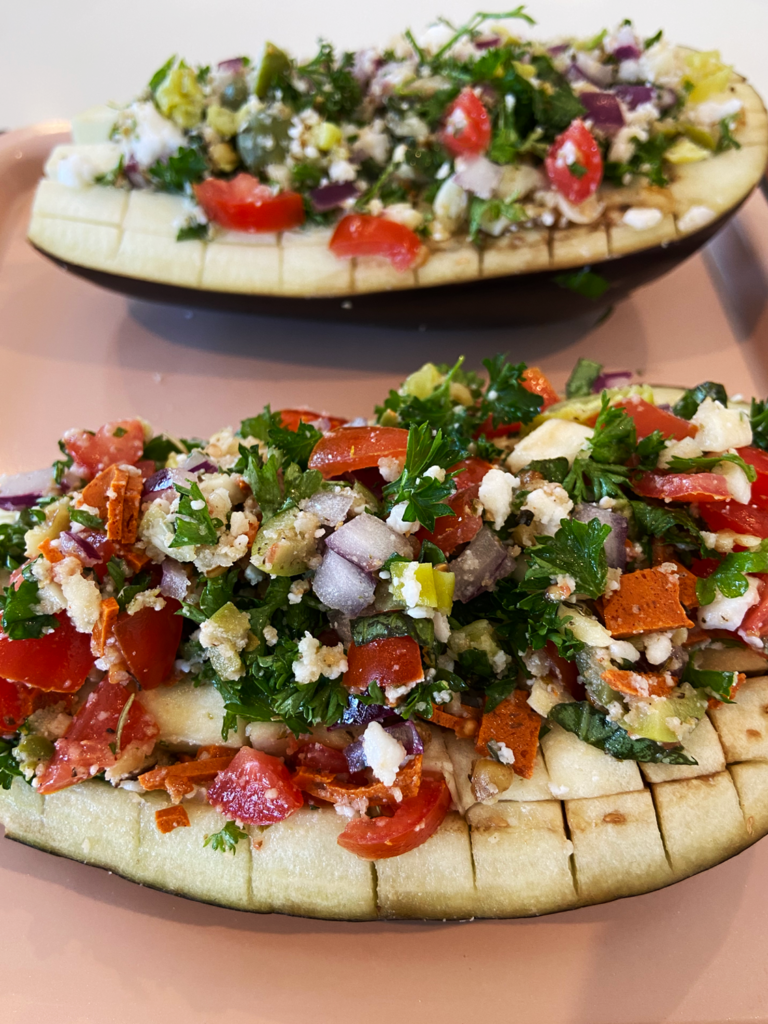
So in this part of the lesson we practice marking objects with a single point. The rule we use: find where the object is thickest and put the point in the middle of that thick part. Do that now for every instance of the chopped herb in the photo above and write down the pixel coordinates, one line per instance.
(649, 449)
(582, 379)
(576, 550)
(226, 839)
(184, 169)
(260, 426)
(121, 722)
(161, 446)
(692, 399)
(577, 170)
(161, 74)
(729, 577)
(111, 177)
(709, 462)
(61, 466)
(584, 281)
(727, 139)
(389, 624)
(296, 444)
(194, 523)
(671, 525)
(758, 417)
(21, 618)
(12, 543)
(485, 212)
(190, 232)
(9, 767)
(83, 518)
(652, 40)
(717, 684)
(555, 470)
(593, 727)
(424, 494)
(506, 399)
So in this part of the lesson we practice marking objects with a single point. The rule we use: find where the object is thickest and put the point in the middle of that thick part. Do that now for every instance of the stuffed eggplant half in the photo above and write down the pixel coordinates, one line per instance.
(491, 653)
(468, 156)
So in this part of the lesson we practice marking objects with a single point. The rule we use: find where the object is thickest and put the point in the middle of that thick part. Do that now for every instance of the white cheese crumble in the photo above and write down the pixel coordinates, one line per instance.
(298, 589)
(147, 135)
(270, 635)
(642, 218)
(314, 661)
(683, 449)
(694, 218)
(82, 595)
(396, 522)
(146, 599)
(495, 493)
(383, 753)
(720, 429)
(550, 504)
(623, 650)
(553, 439)
(501, 752)
(390, 468)
(658, 647)
(728, 612)
(435, 473)
(711, 112)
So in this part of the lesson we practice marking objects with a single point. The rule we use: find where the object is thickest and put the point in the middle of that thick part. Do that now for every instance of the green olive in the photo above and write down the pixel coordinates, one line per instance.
(35, 748)
(235, 94)
(264, 140)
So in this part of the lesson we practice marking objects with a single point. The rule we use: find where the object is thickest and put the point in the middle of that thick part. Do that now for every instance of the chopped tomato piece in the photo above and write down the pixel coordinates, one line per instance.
(17, 702)
(682, 486)
(469, 473)
(467, 126)
(755, 622)
(319, 757)
(58, 661)
(649, 417)
(460, 528)
(414, 821)
(703, 567)
(149, 641)
(574, 163)
(256, 788)
(90, 744)
(293, 417)
(730, 515)
(759, 459)
(395, 661)
(360, 234)
(534, 381)
(347, 449)
(244, 204)
(119, 442)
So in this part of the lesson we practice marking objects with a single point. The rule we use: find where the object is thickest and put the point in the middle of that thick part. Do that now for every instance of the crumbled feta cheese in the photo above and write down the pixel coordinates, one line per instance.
(82, 595)
(435, 473)
(623, 650)
(501, 752)
(373, 142)
(396, 522)
(694, 218)
(270, 635)
(404, 213)
(612, 581)
(500, 662)
(298, 589)
(442, 629)
(342, 171)
(390, 468)
(724, 541)
(315, 660)
(553, 439)
(147, 136)
(449, 207)
(146, 599)
(495, 493)
(545, 694)
(720, 429)
(728, 612)
(642, 218)
(658, 647)
(550, 504)
(737, 481)
(383, 753)
(712, 112)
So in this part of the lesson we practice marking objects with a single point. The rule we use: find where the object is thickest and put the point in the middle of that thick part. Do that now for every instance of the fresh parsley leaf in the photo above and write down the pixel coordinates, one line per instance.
(727, 139)
(652, 40)
(709, 462)
(336, 93)
(161, 446)
(577, 170)
(226, 839)
(615, 438)
(555, 470)
(729, 577)
(389, 624)
(186, 168)
(161, 74)
(674, 526)
(275, 598)
(576, 550)
(589, 481)
(432, 553)
(263, 478)
(487, 211)
(111, 177)
(692, 399)
(9, 767)
(470, 27)
(649, 449)
(297, 444)
(21, 620)
(424, 494)
(190, 232)
(12, 544)
(582, 379)
(61, 466)
(585, 282)
(593, 727)
(83, 518)
(260, 426)
(217, 592)
(758, 416)
(498, 691)
(194, 523)
(506, 399)
(125, 592)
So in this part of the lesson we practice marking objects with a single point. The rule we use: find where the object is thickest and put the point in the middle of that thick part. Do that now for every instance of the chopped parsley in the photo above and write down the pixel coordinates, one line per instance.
(186, 168)
(687, 405)
(576, 550)
(585, 282)
(593, 727)
(424, 494)
(582, 378)
(226, 839)
(9, 767)
(194, 523)
(729, 577)
(21, 617)
(83, 518)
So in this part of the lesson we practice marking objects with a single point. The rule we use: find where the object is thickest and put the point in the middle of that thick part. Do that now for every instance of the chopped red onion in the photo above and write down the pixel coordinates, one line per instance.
(343, 586)
(329, 197)
(487, 44)
(615, 551)
(357, 713)
(164, 480)
(76, 544)
(478, 175)
(592, 70)
(615, 379)
(331, 507)
(234, 64)
(603, 110)
(405, 733)
(627, 53)
(667, 98)
(484, 561)
(23, 489)
(199, 462)
(175, 582)
(633, 96)
(555, 51)
(367, 542)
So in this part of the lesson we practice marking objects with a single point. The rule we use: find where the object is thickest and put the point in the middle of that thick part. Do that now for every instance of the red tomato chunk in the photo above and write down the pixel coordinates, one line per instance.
(360, 234)
(745, 519)
(467, 130)
(244, 204)
(59, 660)
(574, 163)
(90, 744)
(392, 662)
(119, 442)
(415, 820)
(256, 789)
(648, 418)
(351, 448)
(687, 487)
(149, 641)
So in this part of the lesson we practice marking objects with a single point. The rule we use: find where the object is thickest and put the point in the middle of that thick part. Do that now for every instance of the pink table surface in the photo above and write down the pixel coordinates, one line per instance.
(82, 946)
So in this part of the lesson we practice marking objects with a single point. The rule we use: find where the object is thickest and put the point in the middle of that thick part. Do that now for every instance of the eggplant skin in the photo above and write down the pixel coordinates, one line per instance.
(127, 241)
(528, 854)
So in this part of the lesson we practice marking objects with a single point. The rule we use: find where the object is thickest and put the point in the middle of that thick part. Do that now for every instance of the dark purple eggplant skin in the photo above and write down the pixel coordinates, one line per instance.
(517, 300)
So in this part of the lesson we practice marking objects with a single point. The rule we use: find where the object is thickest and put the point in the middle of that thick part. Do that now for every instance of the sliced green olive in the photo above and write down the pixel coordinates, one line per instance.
(264, 140)
(234, 95)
